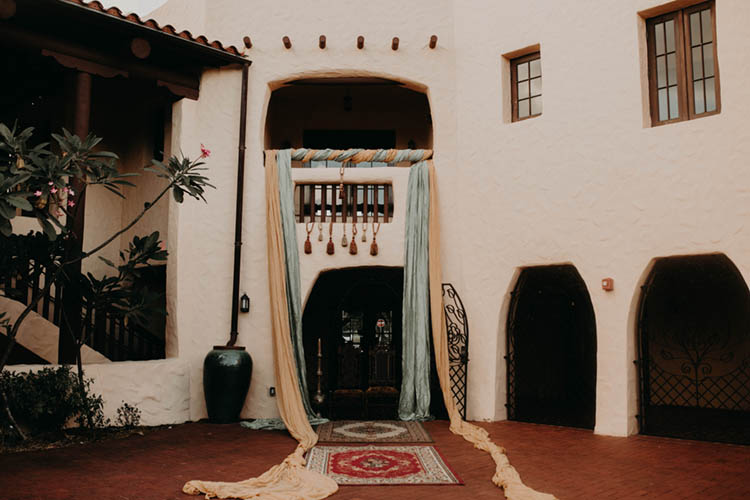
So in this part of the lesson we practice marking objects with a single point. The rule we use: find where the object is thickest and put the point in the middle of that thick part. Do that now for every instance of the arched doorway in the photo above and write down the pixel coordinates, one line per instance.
(354, 315)
(551, 345)
(694, 341)
(348, 112)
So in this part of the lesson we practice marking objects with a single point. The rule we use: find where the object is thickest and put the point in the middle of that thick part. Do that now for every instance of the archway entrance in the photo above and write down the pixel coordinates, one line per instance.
(551, 349)
(348, 112)
(694, 332)
(355, 317)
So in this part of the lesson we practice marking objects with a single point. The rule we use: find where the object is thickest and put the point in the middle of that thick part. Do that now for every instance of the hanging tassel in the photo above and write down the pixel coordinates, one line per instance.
(374, 246)
(308, 245)
(330, 248)
(353, 247)
(344, 241)
(320, 231)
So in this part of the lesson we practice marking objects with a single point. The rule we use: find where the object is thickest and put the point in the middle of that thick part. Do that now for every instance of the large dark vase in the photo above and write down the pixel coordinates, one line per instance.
(226, 379)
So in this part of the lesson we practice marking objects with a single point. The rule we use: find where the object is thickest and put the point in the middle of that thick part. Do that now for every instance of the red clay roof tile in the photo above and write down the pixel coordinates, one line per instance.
(150, 23)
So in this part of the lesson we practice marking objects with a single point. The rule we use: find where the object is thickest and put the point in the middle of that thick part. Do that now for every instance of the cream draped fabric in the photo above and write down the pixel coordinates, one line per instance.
(288, 480)
(505, 475)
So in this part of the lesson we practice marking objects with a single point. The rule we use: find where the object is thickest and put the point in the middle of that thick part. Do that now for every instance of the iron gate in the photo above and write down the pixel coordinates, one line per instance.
(694, 382)
(458, 344)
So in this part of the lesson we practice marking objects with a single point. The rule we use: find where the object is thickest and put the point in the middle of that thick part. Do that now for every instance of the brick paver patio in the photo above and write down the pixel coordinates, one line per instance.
(570, 463)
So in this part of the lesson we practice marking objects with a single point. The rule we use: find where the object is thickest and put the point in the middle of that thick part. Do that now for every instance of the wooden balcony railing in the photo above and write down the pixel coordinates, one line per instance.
(362, 203)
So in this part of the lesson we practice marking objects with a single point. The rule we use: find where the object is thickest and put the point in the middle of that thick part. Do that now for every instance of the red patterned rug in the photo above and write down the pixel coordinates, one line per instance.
(379, 465)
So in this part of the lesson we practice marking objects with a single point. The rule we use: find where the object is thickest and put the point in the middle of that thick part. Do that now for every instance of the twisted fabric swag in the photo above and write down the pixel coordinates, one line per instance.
(422, 296)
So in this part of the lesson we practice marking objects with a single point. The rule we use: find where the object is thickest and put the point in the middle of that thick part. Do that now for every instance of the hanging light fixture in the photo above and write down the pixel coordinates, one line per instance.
(244, 303)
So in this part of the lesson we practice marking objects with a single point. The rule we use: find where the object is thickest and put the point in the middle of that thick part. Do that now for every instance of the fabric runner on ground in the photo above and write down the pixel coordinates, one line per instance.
(290, 479)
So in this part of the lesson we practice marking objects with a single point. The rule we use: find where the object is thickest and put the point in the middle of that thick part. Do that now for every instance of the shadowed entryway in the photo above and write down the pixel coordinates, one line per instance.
(551, 349)
(355, 316)
(694, 328)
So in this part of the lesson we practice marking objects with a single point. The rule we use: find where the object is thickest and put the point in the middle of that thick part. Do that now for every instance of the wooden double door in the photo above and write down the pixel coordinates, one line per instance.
(355, 314)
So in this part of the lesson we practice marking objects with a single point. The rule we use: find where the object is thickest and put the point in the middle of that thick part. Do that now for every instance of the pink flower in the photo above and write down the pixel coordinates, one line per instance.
(37, 193)
(70, 192)
(53, 190)
(71, 203)
(205, 152)
(65, 189)
(50, 183)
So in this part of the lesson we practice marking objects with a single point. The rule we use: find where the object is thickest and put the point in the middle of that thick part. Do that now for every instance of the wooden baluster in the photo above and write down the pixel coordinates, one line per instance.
(323, 202)
(386, 211)
(301, 203)
(375, 203)
(312, 202)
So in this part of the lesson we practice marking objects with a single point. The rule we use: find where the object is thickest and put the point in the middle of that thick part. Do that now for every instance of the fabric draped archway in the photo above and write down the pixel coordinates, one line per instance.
(290, 479)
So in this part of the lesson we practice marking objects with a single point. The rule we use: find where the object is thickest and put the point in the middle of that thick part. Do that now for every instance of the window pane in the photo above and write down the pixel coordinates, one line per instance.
(674, 109)
(536, 86)
(523, 108)
(536, 67)
(663, 114)
(669, 26)
(707, 25)
(708, 59)
(659, 37)
(672, 69)
(695, 28)
(661, 71)
(523, 71)
(536, 105)
(697, 63)
(698, 97)
(523, 89)
(710, 94)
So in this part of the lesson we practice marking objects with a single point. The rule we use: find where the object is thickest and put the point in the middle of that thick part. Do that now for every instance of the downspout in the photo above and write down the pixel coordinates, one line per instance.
(238, 211)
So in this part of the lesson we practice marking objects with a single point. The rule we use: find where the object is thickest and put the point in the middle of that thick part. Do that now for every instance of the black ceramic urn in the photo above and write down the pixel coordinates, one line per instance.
(226, 379)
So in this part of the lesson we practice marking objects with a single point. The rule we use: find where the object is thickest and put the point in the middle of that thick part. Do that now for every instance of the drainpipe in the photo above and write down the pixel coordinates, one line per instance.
(238, 213)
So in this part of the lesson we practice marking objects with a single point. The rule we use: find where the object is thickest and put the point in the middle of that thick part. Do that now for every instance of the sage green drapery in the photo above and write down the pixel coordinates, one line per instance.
(293, 286)
(414, 401)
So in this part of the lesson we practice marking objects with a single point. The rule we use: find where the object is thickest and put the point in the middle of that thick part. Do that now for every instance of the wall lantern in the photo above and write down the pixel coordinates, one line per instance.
(608, 284)
(244, 303)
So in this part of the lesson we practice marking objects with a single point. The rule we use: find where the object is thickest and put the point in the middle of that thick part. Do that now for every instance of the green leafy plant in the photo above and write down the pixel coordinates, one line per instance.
(45, 182)
(128, 416)
(46, 400)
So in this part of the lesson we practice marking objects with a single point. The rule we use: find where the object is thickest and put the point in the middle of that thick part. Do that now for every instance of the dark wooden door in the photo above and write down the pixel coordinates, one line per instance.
(551, 349)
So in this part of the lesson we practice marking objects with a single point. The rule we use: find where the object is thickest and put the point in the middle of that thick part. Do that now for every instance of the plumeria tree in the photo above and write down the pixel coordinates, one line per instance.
(46, 181)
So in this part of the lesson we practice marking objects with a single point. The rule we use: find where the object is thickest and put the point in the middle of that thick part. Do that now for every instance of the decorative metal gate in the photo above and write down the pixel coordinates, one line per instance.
(694, 379)
(458, 344)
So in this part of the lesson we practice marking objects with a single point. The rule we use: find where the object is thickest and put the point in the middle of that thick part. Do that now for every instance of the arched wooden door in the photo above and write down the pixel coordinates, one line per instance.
(551, 345)
(694, 357)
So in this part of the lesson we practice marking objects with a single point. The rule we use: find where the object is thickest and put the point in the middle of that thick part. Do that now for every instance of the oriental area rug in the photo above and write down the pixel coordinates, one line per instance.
(378, 431)
(382, 465)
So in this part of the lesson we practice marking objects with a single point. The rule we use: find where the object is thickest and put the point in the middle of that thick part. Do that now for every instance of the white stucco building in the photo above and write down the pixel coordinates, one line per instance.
(592, 179)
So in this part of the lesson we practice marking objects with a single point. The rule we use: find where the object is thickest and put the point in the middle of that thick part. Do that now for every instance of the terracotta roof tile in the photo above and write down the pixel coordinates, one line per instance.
(152, 24)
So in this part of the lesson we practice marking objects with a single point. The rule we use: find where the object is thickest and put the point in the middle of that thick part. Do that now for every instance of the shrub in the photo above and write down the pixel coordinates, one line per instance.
(128, 416)
(44, 401)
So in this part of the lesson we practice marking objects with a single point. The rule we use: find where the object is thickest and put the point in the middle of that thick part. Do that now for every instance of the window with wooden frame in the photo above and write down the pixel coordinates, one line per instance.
(526, 86)
(682, 66)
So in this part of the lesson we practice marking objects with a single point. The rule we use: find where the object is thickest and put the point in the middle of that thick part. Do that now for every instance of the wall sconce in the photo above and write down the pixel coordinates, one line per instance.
(608, 284)
(244, 303)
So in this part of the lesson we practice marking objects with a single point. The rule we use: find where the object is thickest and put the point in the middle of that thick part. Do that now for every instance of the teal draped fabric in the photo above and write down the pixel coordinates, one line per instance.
(414, 402)
(293, 286)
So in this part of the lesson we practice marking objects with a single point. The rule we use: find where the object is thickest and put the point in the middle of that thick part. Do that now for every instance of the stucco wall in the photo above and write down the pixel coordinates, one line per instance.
(587, 183)
(159, 389)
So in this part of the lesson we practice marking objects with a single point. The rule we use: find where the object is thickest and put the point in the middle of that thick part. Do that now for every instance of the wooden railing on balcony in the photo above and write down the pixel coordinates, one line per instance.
(362, 203)
(102, 331)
